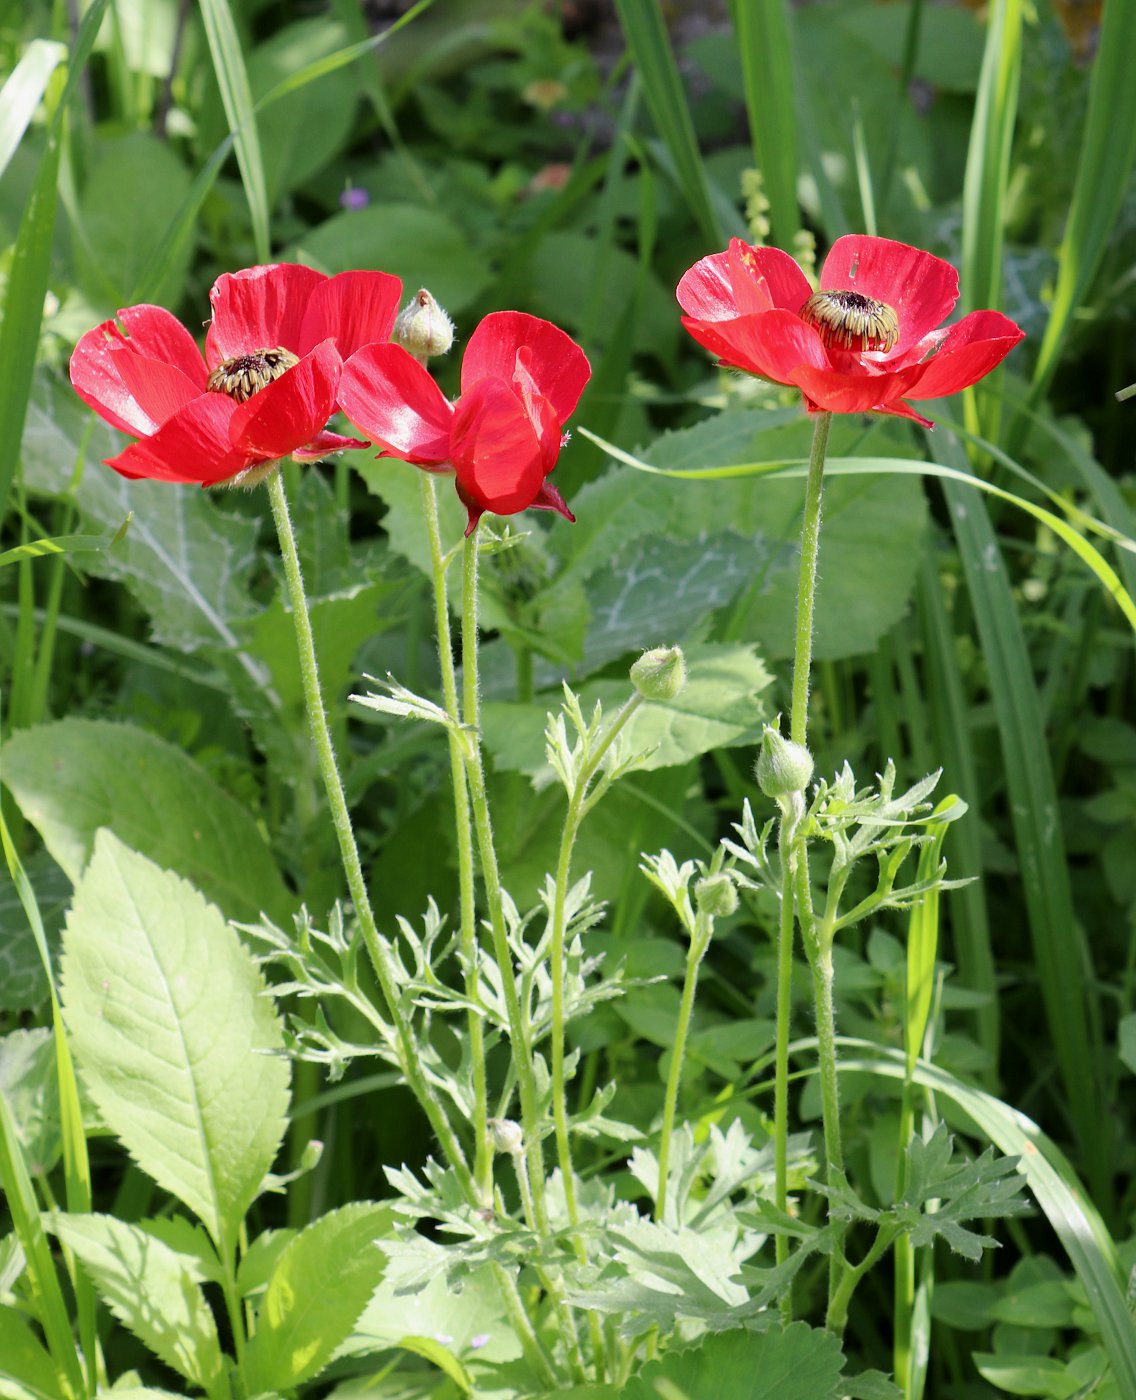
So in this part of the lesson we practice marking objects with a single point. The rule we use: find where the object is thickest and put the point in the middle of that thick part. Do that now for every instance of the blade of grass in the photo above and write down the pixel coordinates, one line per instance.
(1108, 153)
(647, 39)
(1052, 1182)
(236, 98)
(768, 71)
(30, 267)
(23, 92)
(950, 719)
(1061, 953)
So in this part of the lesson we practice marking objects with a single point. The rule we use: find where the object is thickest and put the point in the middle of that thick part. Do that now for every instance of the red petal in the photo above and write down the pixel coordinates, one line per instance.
(921, 289)
(289, 412)
(971, 350)
(325, 443)
(542, 415)
(259, 308)
(837, 392)
(549, 498)
(97, 379)
(773, 344)
(193, 446)
(496, 452)
(558, 366)
(159, 389)
(397, 404)
(159, 335)
(356, 308)
(742, 281)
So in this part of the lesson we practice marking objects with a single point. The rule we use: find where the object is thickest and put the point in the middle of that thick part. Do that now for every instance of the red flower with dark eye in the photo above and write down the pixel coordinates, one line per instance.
(867, 341)
(521, 377)
(265, 387)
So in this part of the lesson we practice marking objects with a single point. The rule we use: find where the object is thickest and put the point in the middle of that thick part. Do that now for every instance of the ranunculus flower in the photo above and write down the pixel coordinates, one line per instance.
(867, 341)
(521, 377)
(265, 387)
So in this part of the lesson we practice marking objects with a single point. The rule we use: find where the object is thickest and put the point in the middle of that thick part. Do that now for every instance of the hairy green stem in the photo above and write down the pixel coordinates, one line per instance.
(806, 586)
(483, 1157)
(699, 942)
(409, 1059)
(781, 1048)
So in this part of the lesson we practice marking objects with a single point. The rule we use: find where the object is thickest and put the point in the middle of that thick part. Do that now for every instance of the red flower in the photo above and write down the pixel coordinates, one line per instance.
(868, 340)
(265, 387)
(521, 377)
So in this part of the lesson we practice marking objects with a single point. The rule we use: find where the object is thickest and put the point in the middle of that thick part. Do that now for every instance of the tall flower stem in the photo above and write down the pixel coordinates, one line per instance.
(699, 941)
(409, 1060)
(806, 585)
(781, 1047)
(483, 1158)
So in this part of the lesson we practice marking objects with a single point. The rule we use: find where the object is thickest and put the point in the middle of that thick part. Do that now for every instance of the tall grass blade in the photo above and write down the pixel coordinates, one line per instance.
(30, 267)
(1108, 153)
(647, 39)
(236, 97)
(1060, 952)
(23, 92)
(1052, 1183)
(768, 72)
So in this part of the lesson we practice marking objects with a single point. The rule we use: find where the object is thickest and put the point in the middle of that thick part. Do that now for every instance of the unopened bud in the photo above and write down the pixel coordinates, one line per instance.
(660, 673)
(507, 1135)
(782, 766)
(423, 328)
(716, 896)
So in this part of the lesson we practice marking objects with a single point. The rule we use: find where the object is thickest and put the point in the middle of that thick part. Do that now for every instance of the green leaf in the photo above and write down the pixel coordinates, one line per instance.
(77, 776)
(1028, 1375)
(28, 1082)
(23, 91)
(23, 1359)
(153, 976)
(719, 707)
(1126, 1041)
(319, 1286)
(23, 981)
(422, 246)
(797, 1363)
(434, 1352)
(151, 1289)
(870, 1385)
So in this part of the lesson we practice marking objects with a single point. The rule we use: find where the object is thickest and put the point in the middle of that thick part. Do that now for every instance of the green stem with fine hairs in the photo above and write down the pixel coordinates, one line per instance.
(806, 585)
(409, 1061)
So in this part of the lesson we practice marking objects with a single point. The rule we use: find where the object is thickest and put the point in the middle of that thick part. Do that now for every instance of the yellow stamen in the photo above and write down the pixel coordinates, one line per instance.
(852, 321)
(246, 375)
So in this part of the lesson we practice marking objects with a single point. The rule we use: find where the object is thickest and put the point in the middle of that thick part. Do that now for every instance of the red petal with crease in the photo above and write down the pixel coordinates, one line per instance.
(742, 281)
(397, 404)
(292, 409)
(159, 389)
(357, 308)
(558, 366)
(835, 392)
(496, 452)
(97, 379)
(159, 335)
(542, 415)
(921, 289)
(259, 308)
(971, 349)
(324, 443)
(193, 446)
(774, 343)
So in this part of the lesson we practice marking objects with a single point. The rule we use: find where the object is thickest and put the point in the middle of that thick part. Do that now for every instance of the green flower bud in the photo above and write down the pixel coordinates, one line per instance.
(782, 766)
(716, 896)
(660, 673)
(423, 328)
(506, 1135)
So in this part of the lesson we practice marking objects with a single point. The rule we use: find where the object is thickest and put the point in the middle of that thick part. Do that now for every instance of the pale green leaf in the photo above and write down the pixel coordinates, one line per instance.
(28, 1081)
(76, 776)
(799, 1363)
(23, 981)
(23, 91)
(1028, 1375)
(320, 1284)
(151, 1289)
(152, 976)
(23, 1360)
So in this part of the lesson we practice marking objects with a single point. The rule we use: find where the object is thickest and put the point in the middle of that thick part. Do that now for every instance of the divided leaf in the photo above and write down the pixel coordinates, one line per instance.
(319, 1286)
(798, 1363)
(174, 1034)
(151, 1289)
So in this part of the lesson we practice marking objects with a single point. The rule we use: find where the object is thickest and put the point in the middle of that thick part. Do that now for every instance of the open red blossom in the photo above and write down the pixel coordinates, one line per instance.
(265, 387)
(521, 377)
(870, 339)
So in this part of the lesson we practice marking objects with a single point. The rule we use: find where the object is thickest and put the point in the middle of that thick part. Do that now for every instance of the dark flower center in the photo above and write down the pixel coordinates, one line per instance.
(851, 321)
(245, 375)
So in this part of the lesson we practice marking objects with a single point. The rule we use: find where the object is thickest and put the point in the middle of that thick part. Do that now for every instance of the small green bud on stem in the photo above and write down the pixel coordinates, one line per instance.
(660, 673)
(422, 328)
(716, 896)
(782, 767)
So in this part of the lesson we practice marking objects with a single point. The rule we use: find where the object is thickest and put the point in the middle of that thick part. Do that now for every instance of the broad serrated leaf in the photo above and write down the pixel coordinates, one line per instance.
(186, 561)
(175, 1035)
(719, 707)
(77, 776)
(151, 1289)
(319, 1286)
(799, 1363)
(24, 1361)
(23, 981)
